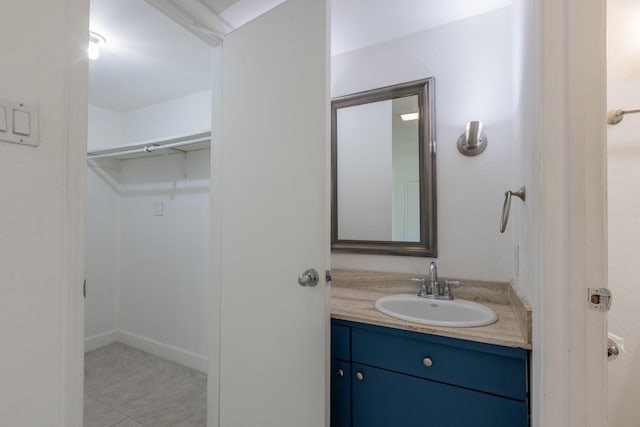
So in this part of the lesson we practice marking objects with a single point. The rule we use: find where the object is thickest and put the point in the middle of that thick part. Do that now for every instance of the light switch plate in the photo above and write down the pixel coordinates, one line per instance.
(3, 119)
(18, 123)
(21, 122)
(158, 209)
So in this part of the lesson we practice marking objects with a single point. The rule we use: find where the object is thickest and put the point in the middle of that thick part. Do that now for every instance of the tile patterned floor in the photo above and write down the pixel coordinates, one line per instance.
(125, 387)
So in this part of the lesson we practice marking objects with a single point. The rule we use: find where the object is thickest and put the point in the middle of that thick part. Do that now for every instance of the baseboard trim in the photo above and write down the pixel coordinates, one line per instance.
(166, 351)
(100, 340)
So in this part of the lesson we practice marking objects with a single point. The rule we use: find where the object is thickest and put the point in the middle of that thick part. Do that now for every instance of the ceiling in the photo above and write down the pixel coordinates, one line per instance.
(148, 58)
(359, 23)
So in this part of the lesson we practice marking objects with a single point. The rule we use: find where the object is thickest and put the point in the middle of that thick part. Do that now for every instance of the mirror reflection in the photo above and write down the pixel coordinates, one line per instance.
(378, 171)
(383, 161)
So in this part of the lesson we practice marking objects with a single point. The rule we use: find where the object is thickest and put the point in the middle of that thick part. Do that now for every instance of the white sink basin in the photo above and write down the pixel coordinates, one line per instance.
(455, 313)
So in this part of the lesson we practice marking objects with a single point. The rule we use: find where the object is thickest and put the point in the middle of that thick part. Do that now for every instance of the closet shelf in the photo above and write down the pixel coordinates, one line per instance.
(199, 141)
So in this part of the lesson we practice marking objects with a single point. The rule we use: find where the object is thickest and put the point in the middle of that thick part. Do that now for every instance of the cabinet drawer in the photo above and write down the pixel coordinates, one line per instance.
(382, 398)
(484, 367)
(340, 342)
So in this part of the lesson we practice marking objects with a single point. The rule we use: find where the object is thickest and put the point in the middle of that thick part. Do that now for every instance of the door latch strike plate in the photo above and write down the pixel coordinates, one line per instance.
(600, 299)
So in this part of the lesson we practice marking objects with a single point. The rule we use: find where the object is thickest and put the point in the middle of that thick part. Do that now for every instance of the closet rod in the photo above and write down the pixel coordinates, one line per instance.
(615, 117)
(149, 148)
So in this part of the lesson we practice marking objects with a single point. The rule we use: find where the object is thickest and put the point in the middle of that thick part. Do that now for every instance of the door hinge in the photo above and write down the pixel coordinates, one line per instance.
(84, 288)
(600, 299)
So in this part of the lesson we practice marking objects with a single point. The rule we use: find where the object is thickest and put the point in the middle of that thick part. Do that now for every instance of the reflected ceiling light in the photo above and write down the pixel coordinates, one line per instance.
(407, 117)
(95, 40)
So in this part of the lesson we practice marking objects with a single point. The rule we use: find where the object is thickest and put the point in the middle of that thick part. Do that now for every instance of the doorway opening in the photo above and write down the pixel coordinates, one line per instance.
(147, 219)
(623, 172)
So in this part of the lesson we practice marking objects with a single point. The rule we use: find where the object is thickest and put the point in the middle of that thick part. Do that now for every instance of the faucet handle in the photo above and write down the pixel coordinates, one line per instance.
(453, 283)
(423, 285)
(448, 284)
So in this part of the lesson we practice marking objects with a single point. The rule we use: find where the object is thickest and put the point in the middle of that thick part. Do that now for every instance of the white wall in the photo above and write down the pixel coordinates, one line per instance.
(526, 151)
(40, 66)
(623, 86)
(105, 128)
(524, 220)
(471, 62)
(102, 231)
(103, 259)
(165, 259)
(147, 275)
(189, 114)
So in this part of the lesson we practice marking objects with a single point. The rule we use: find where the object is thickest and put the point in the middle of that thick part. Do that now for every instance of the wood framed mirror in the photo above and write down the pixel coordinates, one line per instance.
(383, 170)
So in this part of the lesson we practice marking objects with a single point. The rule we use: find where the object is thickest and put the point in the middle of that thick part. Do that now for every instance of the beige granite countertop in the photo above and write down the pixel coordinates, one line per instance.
(353, 295)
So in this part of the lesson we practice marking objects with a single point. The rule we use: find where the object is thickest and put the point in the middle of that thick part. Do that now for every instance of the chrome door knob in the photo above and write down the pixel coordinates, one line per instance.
(359, 376)
(309, 278)
(427, 362)
(612, 350)
(340, 373)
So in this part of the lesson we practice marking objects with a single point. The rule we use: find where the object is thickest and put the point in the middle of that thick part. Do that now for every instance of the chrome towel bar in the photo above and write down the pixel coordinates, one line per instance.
(614, 117)
(506, 207)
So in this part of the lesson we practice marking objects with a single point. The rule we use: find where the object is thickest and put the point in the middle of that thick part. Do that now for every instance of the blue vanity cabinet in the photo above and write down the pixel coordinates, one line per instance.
(408, 379)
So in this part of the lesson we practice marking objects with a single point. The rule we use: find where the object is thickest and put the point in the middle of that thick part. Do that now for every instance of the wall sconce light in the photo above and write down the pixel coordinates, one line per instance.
(473, 141)
(95, 41)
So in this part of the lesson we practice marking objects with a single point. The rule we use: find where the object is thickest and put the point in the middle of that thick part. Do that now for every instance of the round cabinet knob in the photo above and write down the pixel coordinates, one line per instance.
(359, 376)
(427, 362)
(340, 373)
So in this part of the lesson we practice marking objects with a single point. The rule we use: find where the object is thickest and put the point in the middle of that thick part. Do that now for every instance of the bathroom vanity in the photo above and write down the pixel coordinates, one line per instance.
(388, 377)
(388, 372)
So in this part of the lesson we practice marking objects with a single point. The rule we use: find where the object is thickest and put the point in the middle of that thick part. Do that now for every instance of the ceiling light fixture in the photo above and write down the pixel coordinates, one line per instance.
(407, 117)
(95, 40)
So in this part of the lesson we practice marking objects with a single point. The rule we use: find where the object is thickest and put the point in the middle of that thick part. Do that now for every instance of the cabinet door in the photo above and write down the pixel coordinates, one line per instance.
(382, 398)
(340, 393)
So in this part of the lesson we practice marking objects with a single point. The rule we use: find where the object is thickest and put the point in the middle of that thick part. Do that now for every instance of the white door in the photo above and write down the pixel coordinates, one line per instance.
(273, 213)
(587, 213)
(569, 357)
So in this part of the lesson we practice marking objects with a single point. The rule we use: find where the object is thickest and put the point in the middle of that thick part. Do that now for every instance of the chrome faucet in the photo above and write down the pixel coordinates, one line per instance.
(430, 289)
(433, 279)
